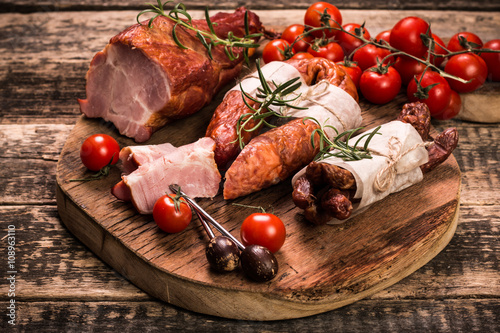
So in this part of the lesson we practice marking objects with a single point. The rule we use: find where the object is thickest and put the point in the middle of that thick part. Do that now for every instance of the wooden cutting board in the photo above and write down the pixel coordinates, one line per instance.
(320, 267)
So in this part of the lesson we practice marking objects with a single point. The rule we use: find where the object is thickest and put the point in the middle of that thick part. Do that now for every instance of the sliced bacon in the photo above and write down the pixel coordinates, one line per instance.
(191, 166)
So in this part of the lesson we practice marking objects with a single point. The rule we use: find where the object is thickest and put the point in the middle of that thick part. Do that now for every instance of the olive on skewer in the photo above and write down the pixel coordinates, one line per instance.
(257, 262)
(222, 253)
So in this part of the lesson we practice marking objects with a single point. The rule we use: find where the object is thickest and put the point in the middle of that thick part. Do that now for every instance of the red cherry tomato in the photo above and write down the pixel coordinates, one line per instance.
(405, 36)
(263, 229)
(452, 109)
(171, 213)
(408, 67)
(464, 41)
(323, 14)
(367, 56)
(492, 60)
(352, 70)
(97, 151)
(380, 88)
(331, 51)
(348, 42)
(384, 35)
(277, 50)
(302, 55)
(438, 96)
(438, 49)
(294, 35)
(468, 66)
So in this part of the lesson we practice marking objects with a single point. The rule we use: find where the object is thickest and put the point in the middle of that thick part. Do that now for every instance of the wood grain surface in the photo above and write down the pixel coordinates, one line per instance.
(63, 286)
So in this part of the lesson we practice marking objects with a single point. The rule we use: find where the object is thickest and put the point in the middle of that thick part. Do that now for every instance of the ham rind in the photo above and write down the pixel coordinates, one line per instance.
(191, 166)
(143, 79)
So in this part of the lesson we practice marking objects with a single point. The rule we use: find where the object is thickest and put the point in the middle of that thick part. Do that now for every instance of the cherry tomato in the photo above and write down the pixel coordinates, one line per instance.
(367, 56)
(277, 50)
(323, 14)
(468, 66)
(438, 49)
(348, 42)
(353, 70)
(97, 151)
(408, 67)
(263, 229)
(405, 36)
(492, 59)
(452, 109)
(464, 41)
(171, 213)
(331, 51)
(437, 97)
(294, 34)
(384, 35)
(380, 88)
(302, 55)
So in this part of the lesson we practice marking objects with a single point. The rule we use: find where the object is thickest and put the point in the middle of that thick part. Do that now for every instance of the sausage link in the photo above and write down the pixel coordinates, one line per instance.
(302, 194)
(316, 215)
(443, 146)
(338, 177)
(337, 203)
(418, 115)
(271, 157)
(222, 127)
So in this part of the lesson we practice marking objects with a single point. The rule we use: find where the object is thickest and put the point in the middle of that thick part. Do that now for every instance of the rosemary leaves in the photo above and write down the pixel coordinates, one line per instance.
(180, 16)
(339, 145)
(266, 97)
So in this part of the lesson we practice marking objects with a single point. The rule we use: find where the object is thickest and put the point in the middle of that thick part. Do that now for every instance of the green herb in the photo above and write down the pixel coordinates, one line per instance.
(339, 147)
(209, 39)
(266, 97)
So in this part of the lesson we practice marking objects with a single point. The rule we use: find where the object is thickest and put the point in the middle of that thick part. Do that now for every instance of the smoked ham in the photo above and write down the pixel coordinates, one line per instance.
(143, 79)
(192, 166)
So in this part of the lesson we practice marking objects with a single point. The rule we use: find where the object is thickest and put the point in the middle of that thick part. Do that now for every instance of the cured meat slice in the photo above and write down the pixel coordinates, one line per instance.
(191, 166)
(134, 156)
(143, 79)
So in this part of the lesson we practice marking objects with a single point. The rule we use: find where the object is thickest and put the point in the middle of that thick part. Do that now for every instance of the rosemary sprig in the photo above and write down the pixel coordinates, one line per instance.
(209, 39)
(266, 97)
(338, 146)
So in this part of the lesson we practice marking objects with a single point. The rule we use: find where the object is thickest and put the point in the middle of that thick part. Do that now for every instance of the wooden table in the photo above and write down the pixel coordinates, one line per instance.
(61, 286)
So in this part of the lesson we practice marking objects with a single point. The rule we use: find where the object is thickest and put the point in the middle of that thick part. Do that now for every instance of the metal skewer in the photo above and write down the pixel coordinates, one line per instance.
(257, 262)
(176, 189)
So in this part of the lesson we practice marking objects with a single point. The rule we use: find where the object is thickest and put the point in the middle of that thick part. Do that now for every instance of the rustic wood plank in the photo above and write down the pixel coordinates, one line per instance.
(65, 5)
(477, 155)
(471, 315)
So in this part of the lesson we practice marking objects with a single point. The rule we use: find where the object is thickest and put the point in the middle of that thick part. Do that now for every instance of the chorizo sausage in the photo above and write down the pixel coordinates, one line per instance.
(222, 126)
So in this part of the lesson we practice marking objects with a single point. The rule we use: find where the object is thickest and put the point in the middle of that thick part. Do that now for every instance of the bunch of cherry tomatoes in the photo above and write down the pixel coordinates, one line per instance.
(409, 55)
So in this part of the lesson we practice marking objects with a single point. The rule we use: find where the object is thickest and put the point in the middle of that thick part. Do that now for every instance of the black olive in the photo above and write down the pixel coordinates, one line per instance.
(222, 254)
(258, 263)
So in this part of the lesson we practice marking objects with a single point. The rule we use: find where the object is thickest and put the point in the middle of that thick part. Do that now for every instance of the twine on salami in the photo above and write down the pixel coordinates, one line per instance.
(385, 177)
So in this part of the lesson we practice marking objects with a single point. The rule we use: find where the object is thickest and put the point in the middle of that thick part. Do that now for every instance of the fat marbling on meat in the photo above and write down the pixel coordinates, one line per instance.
(192, 166)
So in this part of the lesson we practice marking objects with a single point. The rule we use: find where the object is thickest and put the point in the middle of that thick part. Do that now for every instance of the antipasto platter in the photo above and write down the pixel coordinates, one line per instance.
(320, 266)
